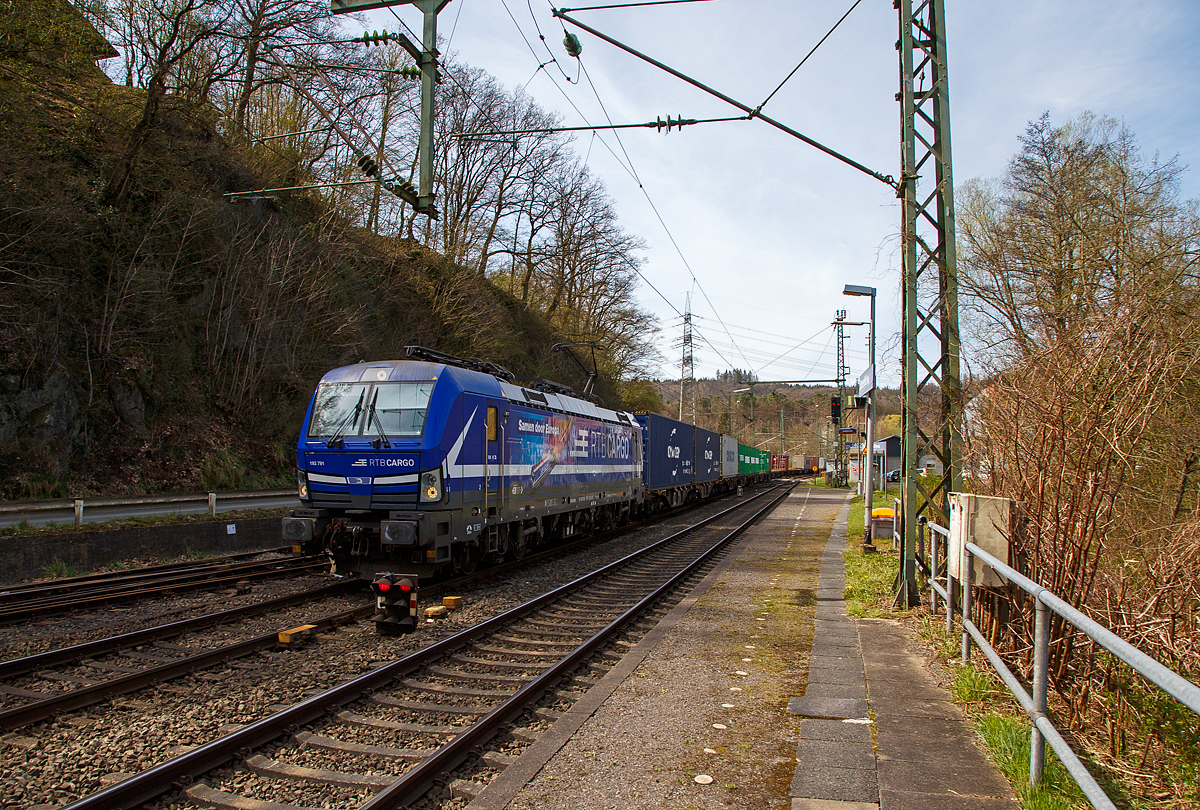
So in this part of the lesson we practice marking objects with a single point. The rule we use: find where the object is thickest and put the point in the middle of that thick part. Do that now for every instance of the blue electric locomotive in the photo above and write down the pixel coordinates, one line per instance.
(419, 466)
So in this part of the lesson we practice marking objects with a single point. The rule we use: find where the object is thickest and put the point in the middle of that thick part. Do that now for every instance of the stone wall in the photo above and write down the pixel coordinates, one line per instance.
(25, 557)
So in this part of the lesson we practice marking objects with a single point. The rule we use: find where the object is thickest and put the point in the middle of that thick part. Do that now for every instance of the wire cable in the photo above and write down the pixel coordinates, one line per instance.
(636, 5)
(805, 59)
(542, 37)
(454, 27)
(801, 343)
(654, 208)
(628, 168)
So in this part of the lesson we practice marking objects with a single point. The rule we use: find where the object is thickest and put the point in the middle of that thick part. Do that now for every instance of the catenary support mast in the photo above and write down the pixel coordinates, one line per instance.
(930, 276)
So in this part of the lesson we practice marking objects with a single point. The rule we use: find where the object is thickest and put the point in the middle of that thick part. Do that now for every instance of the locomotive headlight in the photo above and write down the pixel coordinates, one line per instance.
(431, 486)
(302, 483)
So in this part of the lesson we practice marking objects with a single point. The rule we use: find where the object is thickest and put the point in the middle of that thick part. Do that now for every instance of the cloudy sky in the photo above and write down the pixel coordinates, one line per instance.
(763, 230)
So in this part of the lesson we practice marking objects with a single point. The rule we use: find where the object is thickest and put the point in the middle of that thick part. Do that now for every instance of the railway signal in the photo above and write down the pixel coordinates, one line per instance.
(395, 603)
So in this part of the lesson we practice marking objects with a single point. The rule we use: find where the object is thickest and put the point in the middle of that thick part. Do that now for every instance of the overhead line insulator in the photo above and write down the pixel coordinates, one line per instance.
(377, 38)
(572, 44)
(368, 165)
(677, 123)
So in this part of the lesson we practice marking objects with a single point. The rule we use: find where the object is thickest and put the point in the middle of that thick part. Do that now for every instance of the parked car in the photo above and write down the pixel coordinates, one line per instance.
(894, 475)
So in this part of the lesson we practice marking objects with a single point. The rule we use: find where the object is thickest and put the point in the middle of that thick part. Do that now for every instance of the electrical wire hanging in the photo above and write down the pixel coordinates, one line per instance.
(654, 208)
(805, 59)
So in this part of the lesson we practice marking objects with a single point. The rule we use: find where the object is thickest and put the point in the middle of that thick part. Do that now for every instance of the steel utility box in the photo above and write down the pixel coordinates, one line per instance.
(883, 523)
(988, 523)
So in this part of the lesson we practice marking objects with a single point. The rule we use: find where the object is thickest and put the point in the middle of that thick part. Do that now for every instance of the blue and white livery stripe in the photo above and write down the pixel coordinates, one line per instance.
(321, 478)
(391, 480)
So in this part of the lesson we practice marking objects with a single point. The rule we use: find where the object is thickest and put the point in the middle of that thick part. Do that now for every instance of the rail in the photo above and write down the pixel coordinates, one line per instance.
(76, 505)
(1036, 704)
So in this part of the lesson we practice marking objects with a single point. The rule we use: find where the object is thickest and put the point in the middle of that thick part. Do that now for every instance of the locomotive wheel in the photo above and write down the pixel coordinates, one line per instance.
(466, 557)
(518, 546)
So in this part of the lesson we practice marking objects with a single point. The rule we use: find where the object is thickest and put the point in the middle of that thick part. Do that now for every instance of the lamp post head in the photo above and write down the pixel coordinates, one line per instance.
(855, 289)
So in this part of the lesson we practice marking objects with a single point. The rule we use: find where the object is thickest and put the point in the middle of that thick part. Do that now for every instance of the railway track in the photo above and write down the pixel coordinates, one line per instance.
(38, 687)
(49, 684)
(19, 603)
(419, 724)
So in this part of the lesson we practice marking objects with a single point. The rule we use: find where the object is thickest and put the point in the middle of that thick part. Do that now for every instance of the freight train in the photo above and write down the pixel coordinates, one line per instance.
(442, 463)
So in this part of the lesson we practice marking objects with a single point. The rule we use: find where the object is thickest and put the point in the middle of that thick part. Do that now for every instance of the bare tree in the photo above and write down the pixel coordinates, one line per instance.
(1079, 270)
(165, 34)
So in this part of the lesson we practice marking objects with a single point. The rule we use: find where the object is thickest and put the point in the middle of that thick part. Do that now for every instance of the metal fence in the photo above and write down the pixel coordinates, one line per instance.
(73, 509)
(1035, 705)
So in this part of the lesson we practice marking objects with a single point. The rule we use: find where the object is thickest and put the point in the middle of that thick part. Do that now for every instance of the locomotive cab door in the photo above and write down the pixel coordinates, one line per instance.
(493, 469)
(485, 465)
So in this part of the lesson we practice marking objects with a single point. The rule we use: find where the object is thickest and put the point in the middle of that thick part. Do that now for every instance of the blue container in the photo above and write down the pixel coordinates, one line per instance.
(668, 452)
(708, 455)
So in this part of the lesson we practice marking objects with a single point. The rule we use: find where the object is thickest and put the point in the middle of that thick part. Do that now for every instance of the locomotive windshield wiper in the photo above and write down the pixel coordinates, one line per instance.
(351, 418)
(372, 416)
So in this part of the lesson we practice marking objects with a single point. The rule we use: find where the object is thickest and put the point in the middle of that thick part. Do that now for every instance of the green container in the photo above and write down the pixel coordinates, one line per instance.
(752, 461)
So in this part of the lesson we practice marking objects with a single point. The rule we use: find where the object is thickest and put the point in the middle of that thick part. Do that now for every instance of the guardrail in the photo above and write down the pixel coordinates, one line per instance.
(1035, 705)
(77, 504)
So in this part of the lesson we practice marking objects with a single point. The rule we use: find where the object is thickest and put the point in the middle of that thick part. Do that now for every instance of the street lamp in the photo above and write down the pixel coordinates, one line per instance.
(856, 290)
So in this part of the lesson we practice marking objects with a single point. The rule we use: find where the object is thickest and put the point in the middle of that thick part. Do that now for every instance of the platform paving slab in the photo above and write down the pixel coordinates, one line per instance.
(922, 757)
(835, 730)
(847, 691)
(827, 708)
(841, 784)
(826, 804)
(898, 800)
(836, 754)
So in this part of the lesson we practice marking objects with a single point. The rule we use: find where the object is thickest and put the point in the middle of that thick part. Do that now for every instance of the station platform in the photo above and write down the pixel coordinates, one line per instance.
(877, 733)
(757, 691)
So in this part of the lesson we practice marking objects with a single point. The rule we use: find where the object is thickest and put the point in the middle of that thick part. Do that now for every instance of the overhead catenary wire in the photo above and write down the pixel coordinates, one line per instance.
(801, 343)
(887, 179)
(806, 56)
(792, 369)
(553, 58)
(757, 333)
(628, 169)
(635, 5)
(626, 164)
(659, 124)
(654, 208)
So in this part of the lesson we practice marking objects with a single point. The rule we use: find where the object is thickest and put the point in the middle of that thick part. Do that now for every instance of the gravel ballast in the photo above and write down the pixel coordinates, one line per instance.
(57, 762)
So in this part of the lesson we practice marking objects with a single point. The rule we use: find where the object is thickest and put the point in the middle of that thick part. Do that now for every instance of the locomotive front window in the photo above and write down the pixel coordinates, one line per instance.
(355, 409)
(400, 407)
(337, 410)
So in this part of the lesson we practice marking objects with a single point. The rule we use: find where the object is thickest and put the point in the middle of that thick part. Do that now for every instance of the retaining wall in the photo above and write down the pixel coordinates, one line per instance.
(26, 556)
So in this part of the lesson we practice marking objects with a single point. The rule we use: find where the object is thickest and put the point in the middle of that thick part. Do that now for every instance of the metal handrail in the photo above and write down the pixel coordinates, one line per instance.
(1036, 704)
(77, 504)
